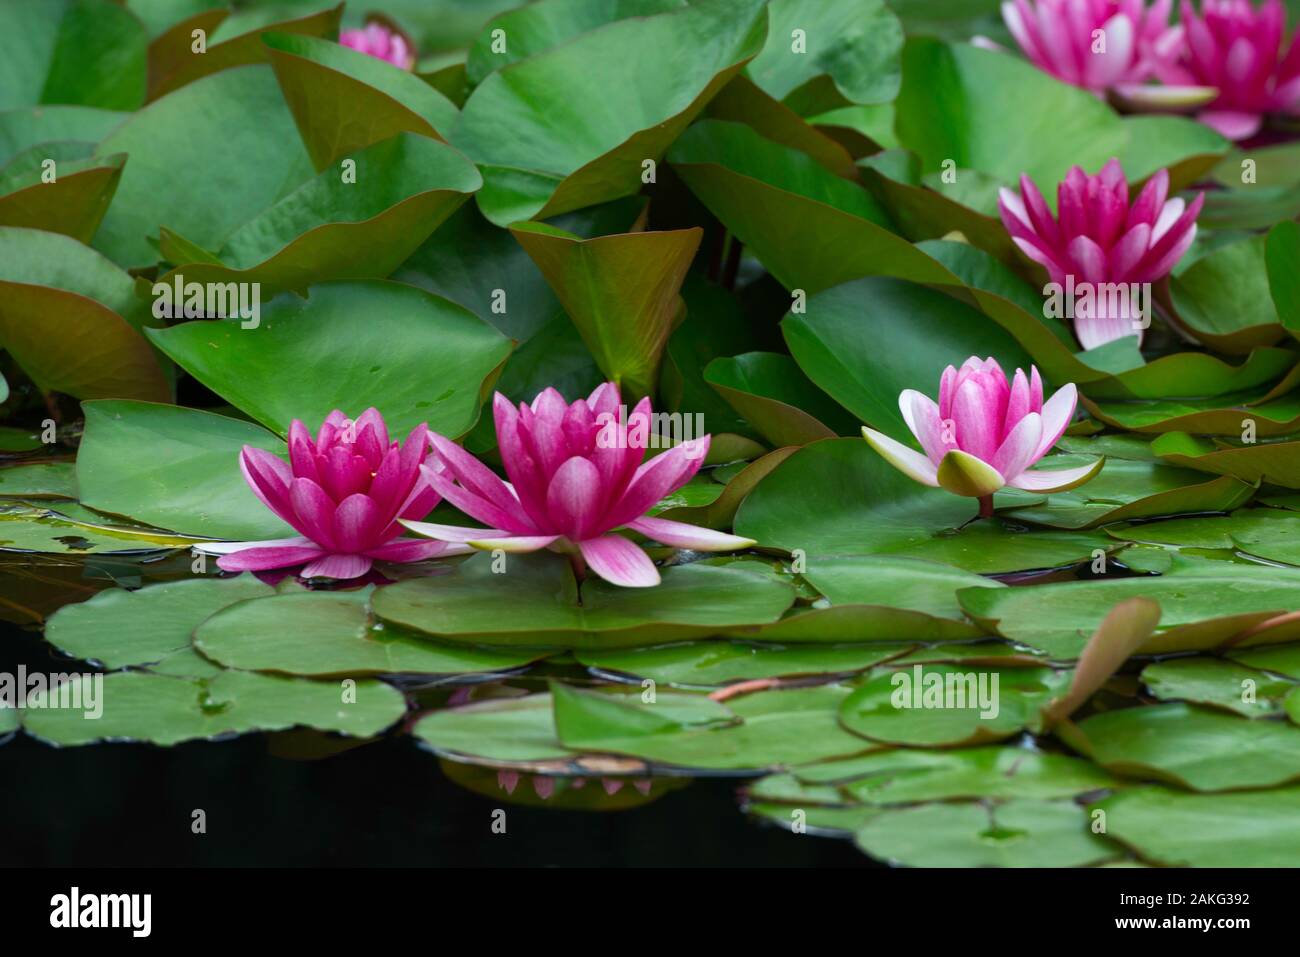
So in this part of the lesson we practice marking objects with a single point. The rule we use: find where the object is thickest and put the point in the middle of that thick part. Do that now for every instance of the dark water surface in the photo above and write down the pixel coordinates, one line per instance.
(385, 803)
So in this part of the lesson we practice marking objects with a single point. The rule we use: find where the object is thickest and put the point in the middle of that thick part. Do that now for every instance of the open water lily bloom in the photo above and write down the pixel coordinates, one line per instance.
(1093, 44)
(1237, 49)
(576, 474)
(343, 492)
(984, 433)
(1098, 239)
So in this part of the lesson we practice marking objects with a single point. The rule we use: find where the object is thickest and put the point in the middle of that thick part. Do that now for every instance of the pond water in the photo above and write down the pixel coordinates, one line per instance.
(384, 803)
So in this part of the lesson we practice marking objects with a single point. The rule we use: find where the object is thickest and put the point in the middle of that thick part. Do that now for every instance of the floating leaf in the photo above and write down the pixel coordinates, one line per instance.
(174, 468)
(332, 633)
(542, 611)
(1270, 534)
(167, 710)
(151, 626)
(1218, 683)
(1192, 747)
(707, 664)
(770, 391)
(1248, 829)
(1275, 462)
(1223, 298)
(931, 705)
(864, 506)
(39, 480)
(1019, 833)
(1203, 606)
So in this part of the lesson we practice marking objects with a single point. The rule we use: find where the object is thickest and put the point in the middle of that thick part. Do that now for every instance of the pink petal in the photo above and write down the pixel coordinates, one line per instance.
(524, 472)
(922, 417)
(1018, 450)
(340, 567)
(663, 474)
(315, 511)
(913, 464)
(1052, 480)
(619, 561)
(474, 475)
(452, 533)
(476, 507)
(1232, 124)
(1058, 412)
(414, 550)
(265, 558)
(682, 535)
(574, 498)
(977, 418)
(357, 522)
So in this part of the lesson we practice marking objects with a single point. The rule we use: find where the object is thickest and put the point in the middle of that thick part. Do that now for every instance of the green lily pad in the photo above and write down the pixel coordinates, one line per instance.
(1281, 253)
(838, 497)
(1129, 489)
(39, 480)
(934, 705)
(152, 626)
(167, 710)
(1274, 462)
(1205, 604)
(1281, 659)
(72, 321)
(308, 357)
(952, 106)
(903, 776)
(776, 729)
(708, 664)
(174, 468)
(849, 54)
(1266, 533)
(500, 730)
(46, 131)
(1218, 683)
(197, 166)
(1223, 298)
(28, 528)
(1247, 829)
(813, 819)
(1193, 747)
(332, 633)
(1019, 833)
(343, 100)
(174, 63)
(808, 227)
(542, 611)
(542, 26)
(620, 291)
(330, 228)
(770, 392)
(545, 148)
(73, 204)
(1221, 415)
(875, 598)
(929, 331)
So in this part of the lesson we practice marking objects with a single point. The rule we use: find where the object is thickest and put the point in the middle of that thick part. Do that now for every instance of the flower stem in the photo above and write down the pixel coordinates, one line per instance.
(579, 570)
(986, 506)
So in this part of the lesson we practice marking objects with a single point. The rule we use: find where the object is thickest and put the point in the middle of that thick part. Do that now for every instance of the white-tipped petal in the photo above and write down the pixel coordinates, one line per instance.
(911, 463)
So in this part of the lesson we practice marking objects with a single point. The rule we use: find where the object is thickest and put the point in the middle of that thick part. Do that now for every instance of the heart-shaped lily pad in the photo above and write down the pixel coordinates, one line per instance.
(1247, 829)
(301, 360)
(334, 227)
(1267, 533)
(120, 629)
(545, 149)
(333, 633)
(706, 664)
(1019, 833)
(931, 705)
(839, 498)
(167, 710)
(532, 601)
(1219, 683)
(1191, 746)
(1204, 604)
(174, 468)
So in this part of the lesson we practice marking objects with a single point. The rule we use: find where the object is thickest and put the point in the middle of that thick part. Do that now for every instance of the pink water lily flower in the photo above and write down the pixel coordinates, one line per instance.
(576, 474)
(379, 41)
(1097, 238)
(343, 493)
(984, 433)
(1093, 44)
(1238, 50)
